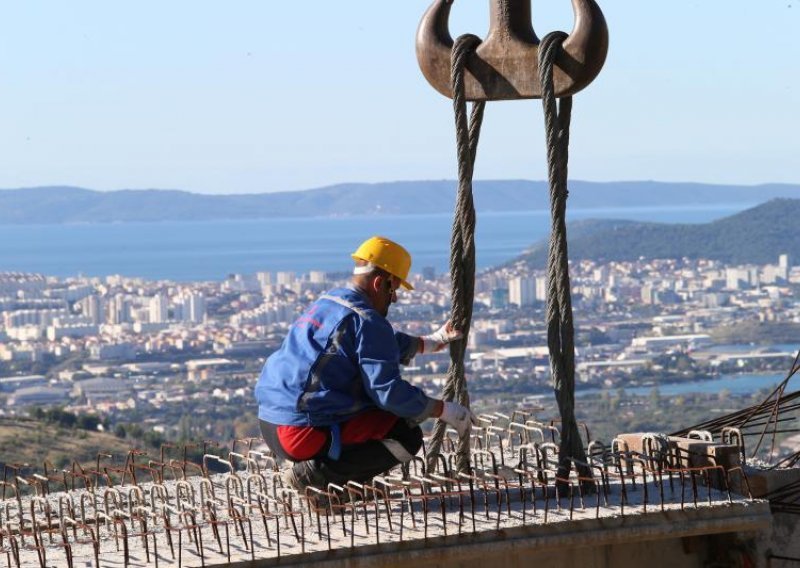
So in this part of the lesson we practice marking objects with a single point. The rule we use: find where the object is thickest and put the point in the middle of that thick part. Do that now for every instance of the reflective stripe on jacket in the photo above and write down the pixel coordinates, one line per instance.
(340, 357)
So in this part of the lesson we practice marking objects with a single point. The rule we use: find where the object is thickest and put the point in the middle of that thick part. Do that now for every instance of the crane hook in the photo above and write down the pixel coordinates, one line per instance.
(505, 65)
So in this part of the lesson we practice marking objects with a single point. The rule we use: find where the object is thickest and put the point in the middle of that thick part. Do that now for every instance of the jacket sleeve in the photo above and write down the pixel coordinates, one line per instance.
(378, 351)
(408, 346)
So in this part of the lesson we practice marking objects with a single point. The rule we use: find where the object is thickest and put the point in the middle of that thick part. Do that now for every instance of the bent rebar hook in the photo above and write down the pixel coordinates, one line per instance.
(505, 65)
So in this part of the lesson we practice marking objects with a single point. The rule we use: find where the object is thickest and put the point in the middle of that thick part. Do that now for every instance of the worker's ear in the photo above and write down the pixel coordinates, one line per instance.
(379, 283)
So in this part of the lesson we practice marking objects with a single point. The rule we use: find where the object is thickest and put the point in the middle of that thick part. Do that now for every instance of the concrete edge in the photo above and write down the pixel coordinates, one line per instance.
(657, 525)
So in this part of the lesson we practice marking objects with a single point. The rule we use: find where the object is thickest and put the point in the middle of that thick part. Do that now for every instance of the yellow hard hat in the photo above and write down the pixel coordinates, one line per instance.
(388, 255)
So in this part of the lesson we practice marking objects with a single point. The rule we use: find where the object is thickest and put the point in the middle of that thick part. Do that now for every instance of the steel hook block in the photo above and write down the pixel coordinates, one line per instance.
(505, 65)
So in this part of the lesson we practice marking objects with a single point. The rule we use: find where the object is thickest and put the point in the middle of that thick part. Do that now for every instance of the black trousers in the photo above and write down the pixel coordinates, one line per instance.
(357, 462)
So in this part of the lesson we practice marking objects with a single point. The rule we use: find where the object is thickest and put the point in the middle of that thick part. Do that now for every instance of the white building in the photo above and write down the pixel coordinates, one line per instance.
(55, 333)
(660, 343)
(102, 389)
(19, 284)
(118, 310)
(158, 309)
(522, 291)
(115, 351)
(541, 288)
(15, 383)
(25, 332)
(93, 308)
(39, 396)
(739, 277)
(41, 318)
(285, 278)
(241, 283)
(23, 352)
(194, 307)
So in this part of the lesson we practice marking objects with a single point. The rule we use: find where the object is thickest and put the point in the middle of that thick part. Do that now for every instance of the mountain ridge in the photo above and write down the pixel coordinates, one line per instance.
(755, 235)
(71, 204)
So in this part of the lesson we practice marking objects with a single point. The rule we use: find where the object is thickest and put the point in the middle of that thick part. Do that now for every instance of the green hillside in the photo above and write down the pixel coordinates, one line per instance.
(27, 441)
(757, 235)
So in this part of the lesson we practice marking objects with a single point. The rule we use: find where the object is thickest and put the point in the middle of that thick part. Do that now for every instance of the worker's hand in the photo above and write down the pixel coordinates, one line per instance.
(439, 338)
(459, 417)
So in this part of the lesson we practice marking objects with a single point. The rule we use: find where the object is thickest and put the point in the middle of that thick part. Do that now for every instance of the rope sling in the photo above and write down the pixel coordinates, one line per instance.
(560, 327)
(462, 246)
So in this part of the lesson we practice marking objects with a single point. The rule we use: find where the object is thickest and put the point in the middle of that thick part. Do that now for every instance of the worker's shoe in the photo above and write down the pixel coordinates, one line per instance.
(304, 474)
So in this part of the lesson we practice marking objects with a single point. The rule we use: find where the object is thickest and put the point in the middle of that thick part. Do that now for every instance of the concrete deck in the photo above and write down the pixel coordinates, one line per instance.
(360, 533)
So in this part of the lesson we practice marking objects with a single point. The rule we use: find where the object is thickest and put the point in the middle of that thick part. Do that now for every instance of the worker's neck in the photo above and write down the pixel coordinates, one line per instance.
(362, 288)
(359, 287)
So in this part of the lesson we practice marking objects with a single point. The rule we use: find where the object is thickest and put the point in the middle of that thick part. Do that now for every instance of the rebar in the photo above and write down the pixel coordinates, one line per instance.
(246, 513)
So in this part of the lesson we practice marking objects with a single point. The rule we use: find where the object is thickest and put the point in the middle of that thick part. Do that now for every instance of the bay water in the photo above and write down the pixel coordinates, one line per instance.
(210, 250)
(740, 384)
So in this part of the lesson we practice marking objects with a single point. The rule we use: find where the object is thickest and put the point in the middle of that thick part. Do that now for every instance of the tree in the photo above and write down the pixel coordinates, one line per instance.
(153, 439)
(655, 399)
(135, 431)
(604, 404)
(88, 422)
(185, 427)
(245, 426)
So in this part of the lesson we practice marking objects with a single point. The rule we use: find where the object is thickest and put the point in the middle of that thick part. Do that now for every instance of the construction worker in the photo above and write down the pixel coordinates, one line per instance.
(331, 398)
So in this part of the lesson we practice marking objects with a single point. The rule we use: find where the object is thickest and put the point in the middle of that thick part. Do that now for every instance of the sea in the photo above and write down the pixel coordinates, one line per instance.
(738, 384)
(211, 250)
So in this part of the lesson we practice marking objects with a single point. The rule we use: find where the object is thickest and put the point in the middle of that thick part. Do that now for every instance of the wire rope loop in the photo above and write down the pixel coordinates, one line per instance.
(462, 245)
(560, 326)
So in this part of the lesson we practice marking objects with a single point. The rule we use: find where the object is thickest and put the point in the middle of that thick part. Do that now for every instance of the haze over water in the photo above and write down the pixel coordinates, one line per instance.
(210, 250)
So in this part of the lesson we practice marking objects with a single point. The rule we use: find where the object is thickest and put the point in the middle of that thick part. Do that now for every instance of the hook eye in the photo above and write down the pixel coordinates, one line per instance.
(505, 65)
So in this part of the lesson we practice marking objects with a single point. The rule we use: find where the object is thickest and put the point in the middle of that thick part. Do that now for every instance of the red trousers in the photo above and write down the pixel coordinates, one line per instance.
(304, 442)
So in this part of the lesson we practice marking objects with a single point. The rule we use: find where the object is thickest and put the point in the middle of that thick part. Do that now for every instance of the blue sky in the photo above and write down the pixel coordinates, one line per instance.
(253, 96)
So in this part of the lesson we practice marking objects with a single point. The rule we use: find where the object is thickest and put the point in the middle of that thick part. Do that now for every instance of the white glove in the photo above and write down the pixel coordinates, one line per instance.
(459, 417)
(439, 338)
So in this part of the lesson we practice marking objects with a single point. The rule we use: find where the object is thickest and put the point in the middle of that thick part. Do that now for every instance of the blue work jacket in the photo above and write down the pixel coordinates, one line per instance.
(341, 357)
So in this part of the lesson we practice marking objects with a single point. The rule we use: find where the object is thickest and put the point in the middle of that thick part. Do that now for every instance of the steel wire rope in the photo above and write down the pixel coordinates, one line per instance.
(462, 244)
(560, 326)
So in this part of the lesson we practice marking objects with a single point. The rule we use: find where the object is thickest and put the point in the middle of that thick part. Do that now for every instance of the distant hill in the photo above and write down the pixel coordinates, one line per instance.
(24, 440)
(756, 235)
(77, 205)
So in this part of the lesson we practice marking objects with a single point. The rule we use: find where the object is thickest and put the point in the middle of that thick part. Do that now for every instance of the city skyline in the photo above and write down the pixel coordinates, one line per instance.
(235, 100)
(644, 308)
